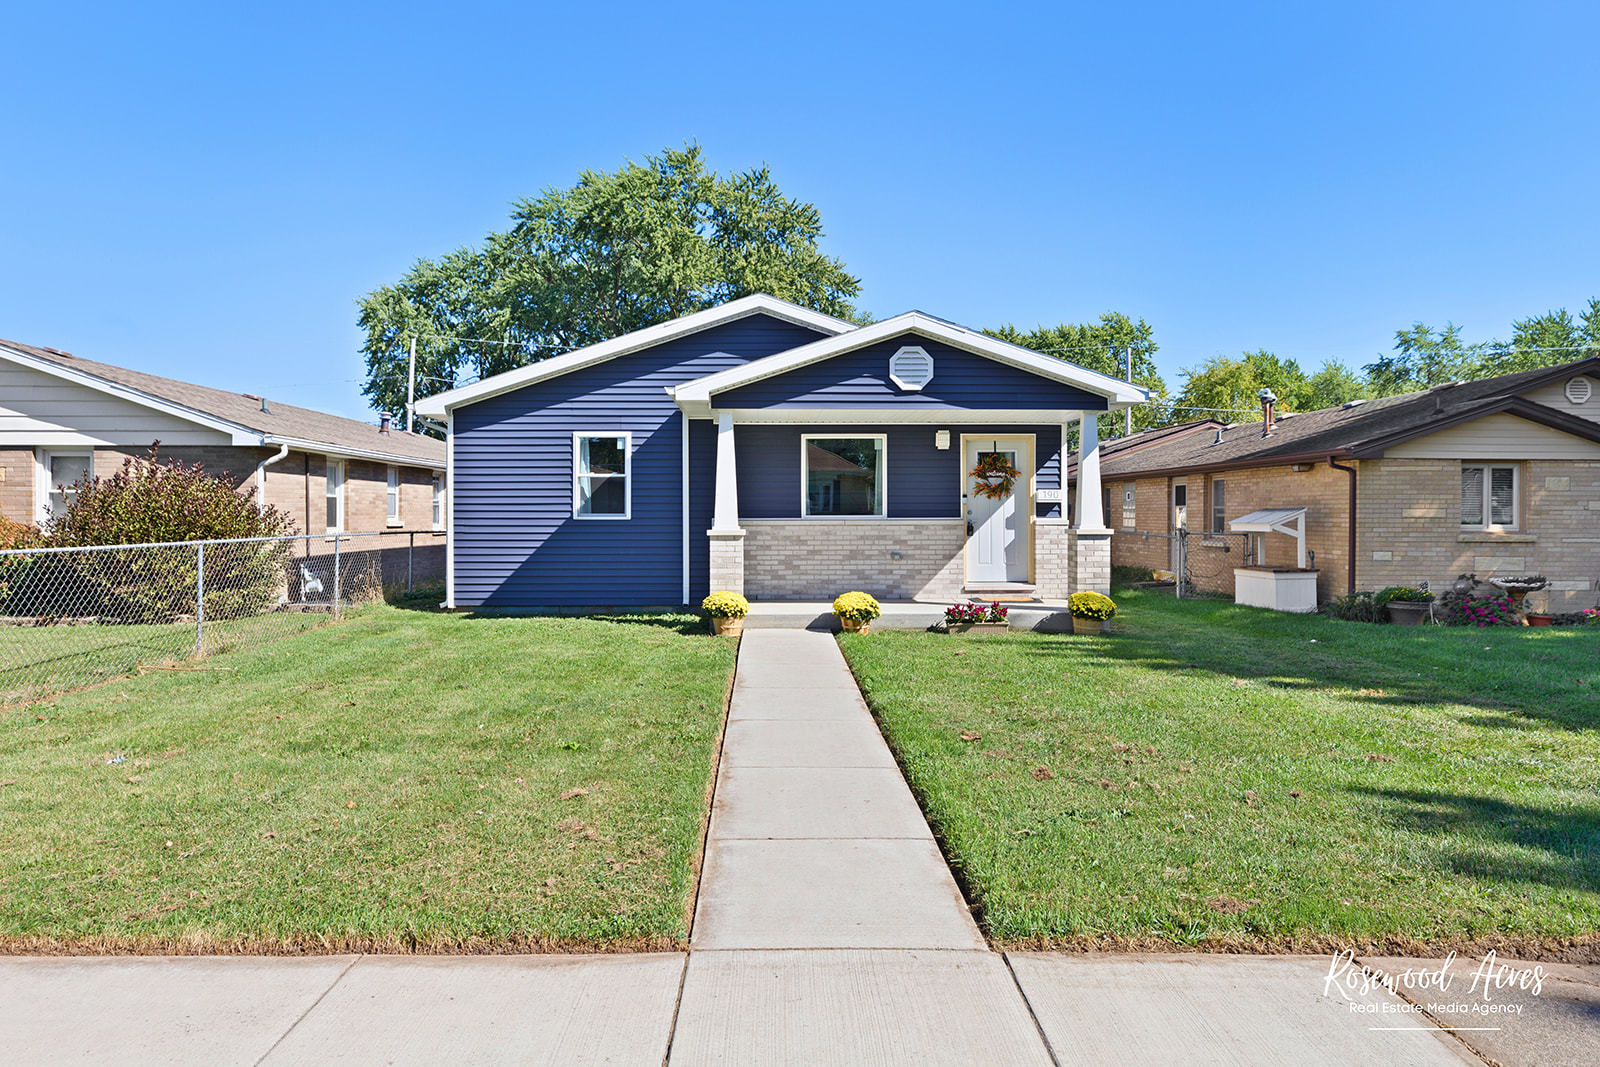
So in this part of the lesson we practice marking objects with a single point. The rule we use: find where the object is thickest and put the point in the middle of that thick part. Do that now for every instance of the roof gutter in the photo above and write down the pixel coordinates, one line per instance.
(323, 449)
(261, 476)
(1246, 463)
(1350, 524)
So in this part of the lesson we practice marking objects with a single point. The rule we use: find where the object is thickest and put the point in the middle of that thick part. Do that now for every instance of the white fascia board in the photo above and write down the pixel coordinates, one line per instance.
(320, 448)
(1118, 392)
(437, 405)
(239, 435)
(898, 416)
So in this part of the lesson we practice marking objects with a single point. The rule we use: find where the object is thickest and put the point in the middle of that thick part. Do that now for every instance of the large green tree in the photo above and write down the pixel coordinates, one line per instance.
(1424, 357)
(1228, 389)
(1103, 346)
(616, 252)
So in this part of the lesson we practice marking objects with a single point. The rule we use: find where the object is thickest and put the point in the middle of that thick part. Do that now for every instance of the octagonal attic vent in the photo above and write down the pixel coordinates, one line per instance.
(1579, 390)
(910, 369)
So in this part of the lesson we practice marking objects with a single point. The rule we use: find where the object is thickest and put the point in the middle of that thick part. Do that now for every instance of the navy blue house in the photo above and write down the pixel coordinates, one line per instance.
(775, 451)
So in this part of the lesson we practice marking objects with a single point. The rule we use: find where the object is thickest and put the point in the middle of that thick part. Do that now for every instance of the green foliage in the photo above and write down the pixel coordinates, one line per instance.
(616, 252)
(1356, 607)
(1232, 386)
(148, 500)
(1333, 385)
(1403, 593)
(1102, 346)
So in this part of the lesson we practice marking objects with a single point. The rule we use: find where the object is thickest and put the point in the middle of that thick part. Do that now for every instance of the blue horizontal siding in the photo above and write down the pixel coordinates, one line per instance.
(514, 539)
(962, 381)
(923, 481)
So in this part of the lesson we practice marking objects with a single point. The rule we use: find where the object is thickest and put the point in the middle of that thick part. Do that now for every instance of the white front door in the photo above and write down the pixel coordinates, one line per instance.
(997, 527)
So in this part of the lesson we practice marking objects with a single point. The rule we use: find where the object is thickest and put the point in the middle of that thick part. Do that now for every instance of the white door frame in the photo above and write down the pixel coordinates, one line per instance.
(1023, 490)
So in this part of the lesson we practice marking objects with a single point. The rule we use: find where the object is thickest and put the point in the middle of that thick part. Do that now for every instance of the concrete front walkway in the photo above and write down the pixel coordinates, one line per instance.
(828, 930)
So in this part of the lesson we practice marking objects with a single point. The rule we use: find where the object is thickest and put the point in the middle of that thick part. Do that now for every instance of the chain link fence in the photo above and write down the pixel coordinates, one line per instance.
(72, 617)
(1201, 562)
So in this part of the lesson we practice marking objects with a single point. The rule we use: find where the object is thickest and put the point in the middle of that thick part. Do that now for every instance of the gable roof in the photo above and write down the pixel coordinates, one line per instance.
(440, 404)
(236, 414)
(1360, 430)
(697, 395)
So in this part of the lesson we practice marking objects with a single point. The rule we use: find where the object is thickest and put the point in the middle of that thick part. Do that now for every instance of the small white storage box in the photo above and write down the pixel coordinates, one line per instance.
(1281, 589)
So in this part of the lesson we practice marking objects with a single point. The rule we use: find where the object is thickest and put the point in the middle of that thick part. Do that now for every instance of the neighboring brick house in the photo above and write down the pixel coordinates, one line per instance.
(61, 416)
(1498, 476)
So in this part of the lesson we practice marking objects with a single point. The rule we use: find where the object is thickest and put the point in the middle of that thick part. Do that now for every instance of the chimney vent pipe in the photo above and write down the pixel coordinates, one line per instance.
(1269, 401)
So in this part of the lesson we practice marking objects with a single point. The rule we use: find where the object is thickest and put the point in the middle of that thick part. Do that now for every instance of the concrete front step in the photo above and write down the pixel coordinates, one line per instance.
(898, 615)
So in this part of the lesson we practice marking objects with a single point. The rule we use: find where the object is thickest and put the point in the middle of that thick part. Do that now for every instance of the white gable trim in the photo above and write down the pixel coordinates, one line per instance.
(240, 435)
(441, 403)
(695, 396)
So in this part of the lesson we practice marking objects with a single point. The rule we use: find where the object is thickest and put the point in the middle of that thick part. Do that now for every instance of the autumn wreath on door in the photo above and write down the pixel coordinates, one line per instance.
(993, 476)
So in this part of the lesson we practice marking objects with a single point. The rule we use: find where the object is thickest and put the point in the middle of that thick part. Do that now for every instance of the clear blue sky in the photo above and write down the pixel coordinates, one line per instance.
(204, 191)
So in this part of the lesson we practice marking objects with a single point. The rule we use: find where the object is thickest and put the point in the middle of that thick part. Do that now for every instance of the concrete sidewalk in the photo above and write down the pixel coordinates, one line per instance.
(828, 930)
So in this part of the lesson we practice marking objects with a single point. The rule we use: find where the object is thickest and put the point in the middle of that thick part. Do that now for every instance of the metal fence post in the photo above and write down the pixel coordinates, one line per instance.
(1183, 565)
(336, 576)
(411, 551)
(200, 599)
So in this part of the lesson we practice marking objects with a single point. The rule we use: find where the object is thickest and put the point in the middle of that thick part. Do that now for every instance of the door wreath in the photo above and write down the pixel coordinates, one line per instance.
(994, 476)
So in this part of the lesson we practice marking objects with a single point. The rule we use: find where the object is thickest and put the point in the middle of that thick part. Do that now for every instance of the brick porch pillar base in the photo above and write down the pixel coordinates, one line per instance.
(1091, 561)
(727, 561)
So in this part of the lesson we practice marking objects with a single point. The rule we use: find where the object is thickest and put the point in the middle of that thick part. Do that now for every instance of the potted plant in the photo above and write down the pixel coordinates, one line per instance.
(975, 617)
(1406, 605)
(727, 611)
(1090, 611)
(856, 610)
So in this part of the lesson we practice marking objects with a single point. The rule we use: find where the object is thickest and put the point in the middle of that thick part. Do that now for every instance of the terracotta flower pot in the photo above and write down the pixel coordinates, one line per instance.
(1538, 619)
(1086, 627)
(727, 625)
(855, 626)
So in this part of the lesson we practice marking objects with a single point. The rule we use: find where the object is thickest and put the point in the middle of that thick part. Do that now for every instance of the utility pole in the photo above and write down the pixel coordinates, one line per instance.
(1127, 429)
(411, 384)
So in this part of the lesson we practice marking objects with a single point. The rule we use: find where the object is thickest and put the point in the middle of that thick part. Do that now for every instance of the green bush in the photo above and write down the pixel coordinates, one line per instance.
(1357, 607)
(153, 501)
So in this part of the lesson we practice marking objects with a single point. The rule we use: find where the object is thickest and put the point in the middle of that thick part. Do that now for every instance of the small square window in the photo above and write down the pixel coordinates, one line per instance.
(842, 476)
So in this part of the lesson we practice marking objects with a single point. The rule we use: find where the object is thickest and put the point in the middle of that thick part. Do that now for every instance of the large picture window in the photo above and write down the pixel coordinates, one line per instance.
(600, 475)
(1489, 495)
(842, 476)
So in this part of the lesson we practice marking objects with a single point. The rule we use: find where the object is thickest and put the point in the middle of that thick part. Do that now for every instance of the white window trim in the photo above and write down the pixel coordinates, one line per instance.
(42, 485)
(439, 498)
(344, 482)
(1130, 506)
(883, 476)
(626, 475)
(391, 495)
(1215, 525)
(1488, 525)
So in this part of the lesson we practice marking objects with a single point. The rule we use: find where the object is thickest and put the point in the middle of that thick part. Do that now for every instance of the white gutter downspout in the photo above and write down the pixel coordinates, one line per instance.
(261, 474)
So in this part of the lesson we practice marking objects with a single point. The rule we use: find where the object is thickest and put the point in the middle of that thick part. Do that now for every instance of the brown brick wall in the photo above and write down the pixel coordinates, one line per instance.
(1323, 491)
(1410, 528)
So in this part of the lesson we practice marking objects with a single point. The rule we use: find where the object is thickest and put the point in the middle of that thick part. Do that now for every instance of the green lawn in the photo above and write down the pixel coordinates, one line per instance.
(1215, 775)
(404, 779)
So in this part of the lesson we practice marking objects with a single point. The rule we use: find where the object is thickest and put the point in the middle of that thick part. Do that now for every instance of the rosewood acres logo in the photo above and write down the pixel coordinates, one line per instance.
(1437, 989)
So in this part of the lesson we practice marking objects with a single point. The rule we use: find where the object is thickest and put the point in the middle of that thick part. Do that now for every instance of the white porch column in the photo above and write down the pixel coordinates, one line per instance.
(1089, 543)
(1090, 512)
(725, 515)
(727, 539)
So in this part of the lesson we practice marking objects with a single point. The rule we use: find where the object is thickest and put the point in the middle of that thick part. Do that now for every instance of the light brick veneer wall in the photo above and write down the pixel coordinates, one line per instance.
(815, 559)
(1091, 557)
(18, 472)
(727, 561)
(1410, 528)
(1052, 566)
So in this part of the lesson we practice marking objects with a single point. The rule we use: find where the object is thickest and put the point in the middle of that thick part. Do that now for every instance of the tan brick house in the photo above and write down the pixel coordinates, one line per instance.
(1498, 476)
(61, 415)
